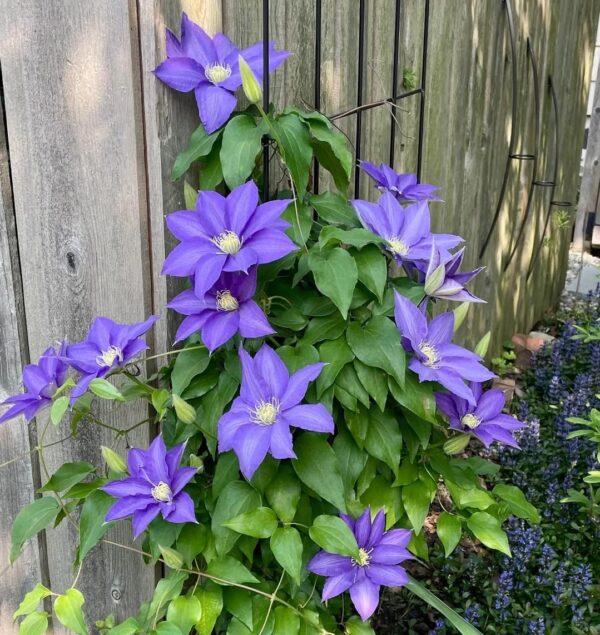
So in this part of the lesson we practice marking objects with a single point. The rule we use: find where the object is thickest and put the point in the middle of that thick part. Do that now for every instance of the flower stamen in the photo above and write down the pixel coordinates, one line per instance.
(432, 357)
(107, 358)
(470, 421)
(265, 413)
(162, 493)
(364, 558)
(398, 246)
(226, 301)
(217, 73)
(228, 242)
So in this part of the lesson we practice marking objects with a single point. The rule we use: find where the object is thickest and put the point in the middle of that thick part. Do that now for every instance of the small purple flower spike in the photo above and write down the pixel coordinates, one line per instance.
(155, 486)
(378, 564)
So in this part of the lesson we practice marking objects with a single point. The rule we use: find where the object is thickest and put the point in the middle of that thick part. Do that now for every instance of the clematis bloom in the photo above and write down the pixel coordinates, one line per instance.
(269, 404)
(108, 345)
(224, 310)
(403, 186)
(378, 564)
(228, 234)
(209, 67)
(405, 230)
(154, 487)
(41, 381)
(435, 357)
(483, 419)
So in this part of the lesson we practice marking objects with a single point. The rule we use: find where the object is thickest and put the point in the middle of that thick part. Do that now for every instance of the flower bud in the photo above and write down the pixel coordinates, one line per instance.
(197, 462)
(482, 346)
(460, 313)
(113, 460)
(183, 410)
(252, 88)
(172, 558)
(435, 280)
(456, 444)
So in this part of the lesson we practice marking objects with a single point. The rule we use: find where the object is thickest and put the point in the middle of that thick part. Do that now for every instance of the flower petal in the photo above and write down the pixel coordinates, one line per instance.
(143, 517)
(182, 509)
(251, 447)
(325, 563)
(219, 327)
(181, 73)
(410, 321)
(209, 267)
(271, 245)
(281, 441)
(314, 417)
(337, 584)
(273, 371)
(191, 324)
(490, 404)
(298, 384)
(215, 105)
(183, 259)
(253, 388)
(230, 423)
(253, 321)
(365, 597)
(387, 575)
(362, 528)
(128, 487)
(241, 206)
(127, 505)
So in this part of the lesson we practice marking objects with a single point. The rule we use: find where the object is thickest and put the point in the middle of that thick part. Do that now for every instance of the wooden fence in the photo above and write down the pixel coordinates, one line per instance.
(89, 137)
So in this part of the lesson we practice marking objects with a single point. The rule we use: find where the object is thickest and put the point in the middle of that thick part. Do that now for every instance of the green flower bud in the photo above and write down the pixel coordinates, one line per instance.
(457, 443)
(435, 280)
(197, 462)
(113, 460)
(183, 410)
(252, 88)
(460, 313)
(172, 558)
(482, 346)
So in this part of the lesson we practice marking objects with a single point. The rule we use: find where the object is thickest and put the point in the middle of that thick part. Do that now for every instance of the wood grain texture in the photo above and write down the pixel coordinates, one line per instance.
(69, 92)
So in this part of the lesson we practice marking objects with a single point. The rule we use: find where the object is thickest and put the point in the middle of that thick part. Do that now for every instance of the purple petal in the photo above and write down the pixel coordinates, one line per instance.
(450, 405)
(498, 434)
(337, 584)
(490, 404)
(188, 303)
(266, 214)
(81, 387)
(210, 208)
(253, 321)
(143, 517)
(215, 105)
(172, 44)
(182, 477)
(314, 417)
(417, 224)
(389, 554)
(127, 505)
(180, 73)
(362, 528)
(186, 225)
(191, 324)
(281, 441)
(173, 459)
(393, 213)
(241, 206)
(219, 328)
(453, 381)
(387, 575)
(271, 245)
(272, 370)
(230, 423)
(253, 388)
(15, 411)
(155, 463)
(377, 529)
(245, 258)
(349, 521)
(184, 258)
(298, 384)
(440, 329)
(396, 537)
(329, 564)
(182, 509)
(372, 170)
(128, 487)
(365, 597)
(410, 321)
(196, 42)
(506, 421)
(251, 446)
(34, 379)
(372, 217)
(208, 269)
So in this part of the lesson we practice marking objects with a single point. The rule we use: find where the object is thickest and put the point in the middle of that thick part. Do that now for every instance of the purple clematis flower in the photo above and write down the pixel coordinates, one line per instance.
(230, 233)
(209, 67)
(155, 486)
(260, 418)
(108, 345)
(41, 381)
(223, 311)
(403, 186)
(435, 357)
(378, 563)
(484, 419)
(405, 230)
(444, 281)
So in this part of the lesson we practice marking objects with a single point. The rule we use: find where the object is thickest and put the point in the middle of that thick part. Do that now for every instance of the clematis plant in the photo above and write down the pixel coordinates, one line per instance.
(300, 422)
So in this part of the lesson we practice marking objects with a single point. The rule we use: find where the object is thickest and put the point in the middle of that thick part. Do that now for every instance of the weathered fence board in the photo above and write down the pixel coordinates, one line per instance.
(93, 137)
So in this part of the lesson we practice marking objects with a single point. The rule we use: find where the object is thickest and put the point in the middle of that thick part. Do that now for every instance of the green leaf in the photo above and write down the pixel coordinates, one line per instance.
(188, 364)
(460, 624)
(229, 569)
(334, 209)
(460, 313)
(240, 146)
(449, 531)
(335, 276)
(211, 173)
(333, 535)
(318, 468)
(286, 545)
(377, 343)
(105, 390)
(172, 558)
(300, 217)
(357, 237)
(352, 461)
(415, 396)
(259, 523)
(283, 494)
(516, 502)
(167, 628)
(213, 405)
(67, 609)
(92, 525)
(66, 476)
(59, 407)
(416, 498)
(329, 327)
(191, 541)
(355, 626)
(348, 380)
(372, 269)
(184, 612)
(31, 519)
(34, 624)
(236, 498)
(374, 382)
(295, 357)
(238, 602)
(474, 497)
(128, 627)
(287, 621)
(297, 150)
(211, 601)
(31, 600)
(331, 150)
(383, 440)
(487, 528)
(200, 146)
(336, 354)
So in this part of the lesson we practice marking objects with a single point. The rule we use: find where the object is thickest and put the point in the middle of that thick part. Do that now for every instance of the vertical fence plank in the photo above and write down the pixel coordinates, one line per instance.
(69, 89)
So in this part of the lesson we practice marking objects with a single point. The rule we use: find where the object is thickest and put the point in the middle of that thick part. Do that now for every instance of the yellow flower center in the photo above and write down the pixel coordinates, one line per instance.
(162, 492)
(217, 73)
(108, 356)
(364, 558)
(228, 242)
(226, 302)
(265, 412)
(470, 421)
(398, 246)
(430, 353)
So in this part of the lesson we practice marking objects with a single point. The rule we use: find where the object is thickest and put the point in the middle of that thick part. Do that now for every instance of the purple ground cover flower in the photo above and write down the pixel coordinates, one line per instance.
(224, 310)
(154, 486)
(41, 381)
(436, 358)
(378, 564)
(405, 230)
(269, 404)
(403, 186)
(484, 418)
(108, 345)
(209, 67)
(230, 233)
(443, 279)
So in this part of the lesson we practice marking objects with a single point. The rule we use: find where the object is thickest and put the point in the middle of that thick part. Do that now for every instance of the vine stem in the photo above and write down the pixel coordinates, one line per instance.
(173, 352)
(273, 596)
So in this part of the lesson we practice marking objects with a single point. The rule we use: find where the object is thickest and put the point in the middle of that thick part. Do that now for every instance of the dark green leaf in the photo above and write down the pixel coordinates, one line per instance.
(300, 217)
(188, 364)
(416, 498)
(352, 461)
(516, 502)
(335, 276)
(415, 396)
(286, 545)
(240, 146)
(283, 494)
(374, 382)
(31, 519)
(200, 146)
(372, 269)
(331, 150)
(92, 525)
(336, 354)
(66, 476)
(335, 209)
(295, 357)
(383, 440)
(297, 150)
(357, 237)
(348, 380)
(237, 497)
(287, 622)
(328, 327)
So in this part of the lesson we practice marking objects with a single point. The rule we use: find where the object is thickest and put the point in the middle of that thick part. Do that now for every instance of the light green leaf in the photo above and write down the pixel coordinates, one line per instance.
(105, 390)
(166, 590)
(487, 528)
(334, 209)
(240, 146)
(331, 150)
(34, 624)
(228, 569)
(333, 535)
(66, 476)
(516, 502)
(59, 407)
(185, 412)
(259, 523)
(31, 519)
(188, 364)
(355, 626)
(67, 609)
(286, 545)
(190, 194)
(184, 612)
(211, 601)
(283, 494)
(460, 313)
(31, 600)
(236, 498)
(297, 150)
(482, 346)
(416, 498)
(372, 269)
(300, 217)
(172, 558)
(473, 497)
(335, 276)
(287, 621)
(200, 146)
(92, 524)
(449, 531)
(128, 627)
(357, 237)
